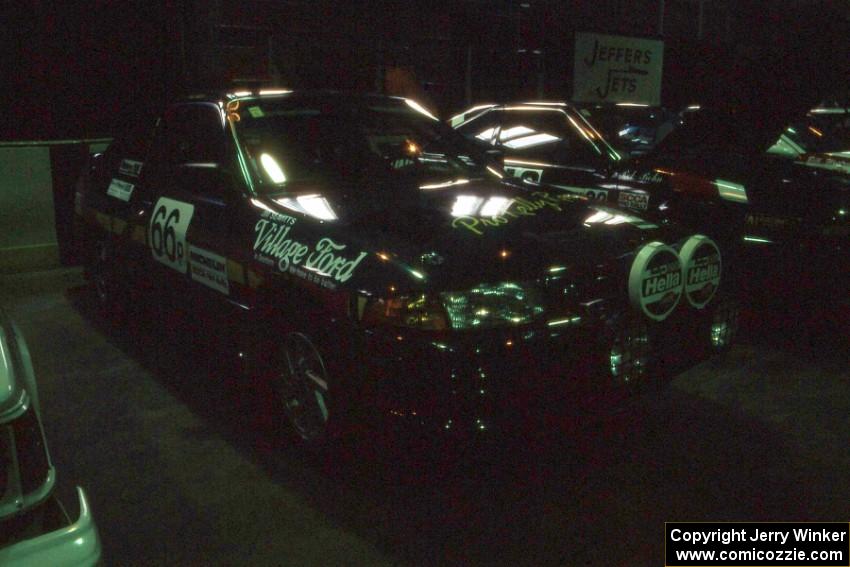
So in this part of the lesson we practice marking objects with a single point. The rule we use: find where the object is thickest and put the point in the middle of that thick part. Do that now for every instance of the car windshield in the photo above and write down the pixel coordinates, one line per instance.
(631, 127)
(822, 131)
(553, 134)
(290, 141)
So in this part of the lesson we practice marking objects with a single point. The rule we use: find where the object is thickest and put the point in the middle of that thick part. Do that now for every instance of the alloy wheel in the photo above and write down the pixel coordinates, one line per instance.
(629, 353)
(725, 322)
(304, 387)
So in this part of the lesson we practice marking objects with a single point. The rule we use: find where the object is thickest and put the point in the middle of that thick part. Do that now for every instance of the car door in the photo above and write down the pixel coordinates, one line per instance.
(186, 197)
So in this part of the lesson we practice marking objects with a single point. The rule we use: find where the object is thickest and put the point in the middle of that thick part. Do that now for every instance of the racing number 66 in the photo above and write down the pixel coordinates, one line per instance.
(163, 238)
(167, 232)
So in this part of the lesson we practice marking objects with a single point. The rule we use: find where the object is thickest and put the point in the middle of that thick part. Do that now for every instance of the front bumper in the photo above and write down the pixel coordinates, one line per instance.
(78, 543)
(478, 385)
(467, 384)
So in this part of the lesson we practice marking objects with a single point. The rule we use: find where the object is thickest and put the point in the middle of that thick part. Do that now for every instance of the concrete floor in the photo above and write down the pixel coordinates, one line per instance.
(182, 468)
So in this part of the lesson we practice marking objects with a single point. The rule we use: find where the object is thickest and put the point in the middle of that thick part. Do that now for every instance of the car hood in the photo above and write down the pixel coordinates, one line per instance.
(458, 233)
(802, 56)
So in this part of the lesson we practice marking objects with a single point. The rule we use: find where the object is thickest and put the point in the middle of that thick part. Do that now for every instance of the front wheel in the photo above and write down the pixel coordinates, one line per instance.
(304, 389)
(628, 353)
(725, 322)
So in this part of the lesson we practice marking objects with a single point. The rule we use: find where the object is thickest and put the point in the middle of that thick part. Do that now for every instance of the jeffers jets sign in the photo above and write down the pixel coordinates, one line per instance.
(613, 68)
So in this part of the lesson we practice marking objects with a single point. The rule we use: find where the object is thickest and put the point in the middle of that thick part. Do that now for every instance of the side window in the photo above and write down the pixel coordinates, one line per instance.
(194, 134)
(189, 138)
(524, 130)
(547, 135)
(483, 128)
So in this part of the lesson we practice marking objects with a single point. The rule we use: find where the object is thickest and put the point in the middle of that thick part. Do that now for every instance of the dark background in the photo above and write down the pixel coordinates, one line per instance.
(73, 69)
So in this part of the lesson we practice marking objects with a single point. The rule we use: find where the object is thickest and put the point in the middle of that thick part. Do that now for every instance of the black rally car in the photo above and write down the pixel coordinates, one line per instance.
(375, 259)
(746, 168)
(783, 197)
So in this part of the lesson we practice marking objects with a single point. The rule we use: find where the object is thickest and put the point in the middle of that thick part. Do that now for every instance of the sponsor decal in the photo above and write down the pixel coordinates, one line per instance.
(278, 217)
(130, 167)
(520, 207)
(639, 177)
(324, 262)
(120, 190)
(209, 269)
(167, 232)
(636, 200)
(524, 173)
(655, 281)
(769, 221)
(701, 260)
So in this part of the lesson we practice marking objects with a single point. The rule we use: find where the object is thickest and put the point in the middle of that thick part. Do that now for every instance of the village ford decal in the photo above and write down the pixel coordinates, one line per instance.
(319, 262)
(655, 281)
(701, 260)
(520, 207)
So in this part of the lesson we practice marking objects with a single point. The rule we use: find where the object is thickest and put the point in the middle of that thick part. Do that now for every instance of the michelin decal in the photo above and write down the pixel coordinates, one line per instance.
(209, 269)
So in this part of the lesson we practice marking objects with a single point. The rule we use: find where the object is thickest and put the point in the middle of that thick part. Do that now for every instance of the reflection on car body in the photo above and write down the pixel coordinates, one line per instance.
(387, 263)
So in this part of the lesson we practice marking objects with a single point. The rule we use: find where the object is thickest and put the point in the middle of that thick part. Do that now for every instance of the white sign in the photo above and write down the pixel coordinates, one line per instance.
(120, 190)
(130, 167)
(613, 68)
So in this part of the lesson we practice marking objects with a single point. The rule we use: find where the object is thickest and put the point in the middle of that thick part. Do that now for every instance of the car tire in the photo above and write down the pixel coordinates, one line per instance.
(304, 389)
(621, 364)
(628, 353)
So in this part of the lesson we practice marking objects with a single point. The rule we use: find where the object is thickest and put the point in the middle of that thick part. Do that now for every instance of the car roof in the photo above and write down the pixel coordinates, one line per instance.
(480, 109)
(325, 95)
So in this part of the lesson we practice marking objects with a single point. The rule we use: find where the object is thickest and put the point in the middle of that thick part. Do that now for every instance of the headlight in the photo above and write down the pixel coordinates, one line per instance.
(417, 312)
(484, 306)
(492, 306)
